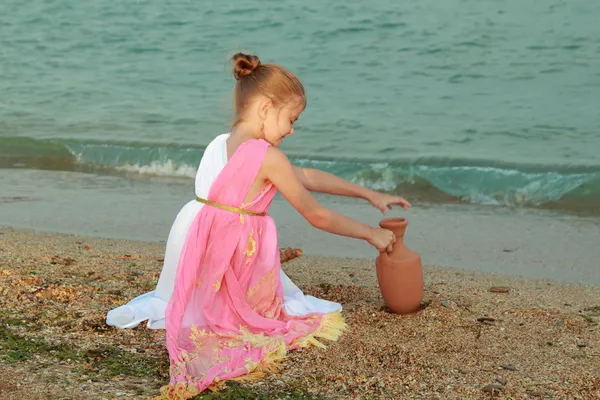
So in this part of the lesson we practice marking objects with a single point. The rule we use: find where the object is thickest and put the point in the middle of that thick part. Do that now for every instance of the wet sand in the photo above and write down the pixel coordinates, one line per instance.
(527, 242)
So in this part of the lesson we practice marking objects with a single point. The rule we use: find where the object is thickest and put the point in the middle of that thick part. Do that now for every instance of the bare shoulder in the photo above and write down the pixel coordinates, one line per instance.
(275, 158)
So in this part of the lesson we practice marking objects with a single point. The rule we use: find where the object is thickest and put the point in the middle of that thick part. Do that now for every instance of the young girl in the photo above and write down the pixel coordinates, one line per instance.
(226, 317)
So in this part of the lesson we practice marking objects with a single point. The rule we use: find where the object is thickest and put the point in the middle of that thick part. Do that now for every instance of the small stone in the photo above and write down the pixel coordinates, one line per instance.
(492, 388)
(509, 367)
(499, 289)
(486, 320)
(446, 303)
(581, 345)
(501, 380)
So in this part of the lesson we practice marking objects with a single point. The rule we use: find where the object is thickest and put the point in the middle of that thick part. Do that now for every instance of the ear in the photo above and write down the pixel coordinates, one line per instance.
(263, 107)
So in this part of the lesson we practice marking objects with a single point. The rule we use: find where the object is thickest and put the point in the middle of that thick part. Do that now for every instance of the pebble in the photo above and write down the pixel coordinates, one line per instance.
(501, 380)
(500, 289)
(486, 320)
(509, 367)
(492, 387)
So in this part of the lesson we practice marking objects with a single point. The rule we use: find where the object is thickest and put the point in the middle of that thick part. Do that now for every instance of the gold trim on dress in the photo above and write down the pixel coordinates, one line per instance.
(229, 208)
(250, 247)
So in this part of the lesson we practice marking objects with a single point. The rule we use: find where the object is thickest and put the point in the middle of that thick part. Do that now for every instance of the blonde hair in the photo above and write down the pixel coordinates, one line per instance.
(270, 80)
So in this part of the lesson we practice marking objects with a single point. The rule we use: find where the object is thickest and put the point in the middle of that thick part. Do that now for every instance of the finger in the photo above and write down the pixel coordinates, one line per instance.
(400, 200)
(390, 248)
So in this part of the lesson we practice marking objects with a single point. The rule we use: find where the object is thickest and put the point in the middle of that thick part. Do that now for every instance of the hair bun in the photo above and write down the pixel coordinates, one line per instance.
(244, 65)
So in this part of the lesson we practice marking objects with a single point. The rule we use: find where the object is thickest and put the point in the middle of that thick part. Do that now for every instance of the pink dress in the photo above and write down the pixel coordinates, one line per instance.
(225, 318)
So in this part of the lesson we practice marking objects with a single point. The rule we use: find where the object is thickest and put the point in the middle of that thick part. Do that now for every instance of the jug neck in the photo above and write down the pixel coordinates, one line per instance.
(396, 225)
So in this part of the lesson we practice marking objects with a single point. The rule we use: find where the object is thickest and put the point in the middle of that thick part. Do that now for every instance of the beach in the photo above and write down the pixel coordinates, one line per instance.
(538, 340)
(484, 115)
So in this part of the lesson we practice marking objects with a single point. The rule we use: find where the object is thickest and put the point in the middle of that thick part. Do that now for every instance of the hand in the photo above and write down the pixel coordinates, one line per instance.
(382, 239)
(384, 202)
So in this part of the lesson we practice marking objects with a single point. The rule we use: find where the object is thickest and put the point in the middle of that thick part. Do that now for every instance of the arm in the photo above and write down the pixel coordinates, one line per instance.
(278, 169)
(324, 182)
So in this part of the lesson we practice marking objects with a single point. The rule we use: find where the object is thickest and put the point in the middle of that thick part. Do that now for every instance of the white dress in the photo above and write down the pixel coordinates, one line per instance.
(151, 306)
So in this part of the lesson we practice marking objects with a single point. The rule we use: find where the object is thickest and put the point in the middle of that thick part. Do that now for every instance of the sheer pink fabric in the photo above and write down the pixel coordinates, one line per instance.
(225, 318)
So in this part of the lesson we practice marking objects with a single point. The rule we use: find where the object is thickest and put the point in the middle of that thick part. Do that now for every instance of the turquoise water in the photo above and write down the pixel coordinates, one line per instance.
(483, 102)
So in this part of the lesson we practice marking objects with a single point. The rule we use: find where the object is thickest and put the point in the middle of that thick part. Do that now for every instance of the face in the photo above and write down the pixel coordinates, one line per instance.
(279, 121)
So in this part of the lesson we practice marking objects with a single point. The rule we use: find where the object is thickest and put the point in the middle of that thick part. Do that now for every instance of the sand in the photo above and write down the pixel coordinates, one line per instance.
(539, 340)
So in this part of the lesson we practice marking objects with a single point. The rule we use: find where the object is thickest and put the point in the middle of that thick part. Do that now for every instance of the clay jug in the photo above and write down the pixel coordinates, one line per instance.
(399, 272)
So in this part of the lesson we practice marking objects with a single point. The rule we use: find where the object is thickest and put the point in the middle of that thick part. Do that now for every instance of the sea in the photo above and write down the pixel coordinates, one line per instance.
(474, 107)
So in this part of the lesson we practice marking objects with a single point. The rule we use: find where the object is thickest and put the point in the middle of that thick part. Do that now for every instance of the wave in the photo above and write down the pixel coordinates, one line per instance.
(486, 182)
(494, 184)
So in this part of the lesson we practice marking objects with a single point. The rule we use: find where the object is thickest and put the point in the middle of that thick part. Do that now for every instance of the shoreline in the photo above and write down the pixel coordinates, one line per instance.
(158, 247)
(530, 243)
(540, 339)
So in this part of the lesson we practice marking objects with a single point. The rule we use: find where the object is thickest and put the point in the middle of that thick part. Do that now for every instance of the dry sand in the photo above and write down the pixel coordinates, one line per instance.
(539, 340)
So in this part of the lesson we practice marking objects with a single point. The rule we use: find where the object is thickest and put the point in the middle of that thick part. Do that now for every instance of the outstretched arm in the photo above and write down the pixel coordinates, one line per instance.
(323, 182)
(278, 169)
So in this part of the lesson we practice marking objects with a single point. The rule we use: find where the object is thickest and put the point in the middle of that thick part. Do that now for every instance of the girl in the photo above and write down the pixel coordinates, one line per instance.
(226, 318)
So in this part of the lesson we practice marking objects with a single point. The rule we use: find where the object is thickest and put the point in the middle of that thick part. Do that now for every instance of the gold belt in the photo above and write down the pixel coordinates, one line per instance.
(229, 208)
